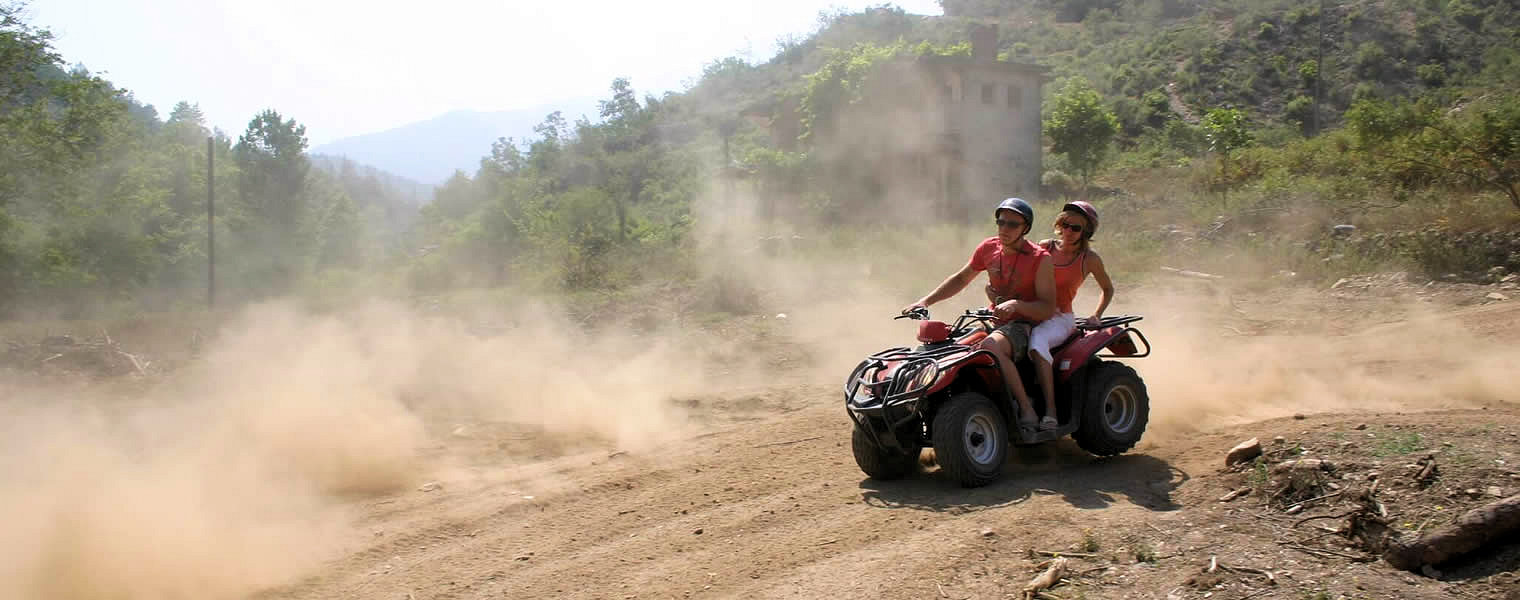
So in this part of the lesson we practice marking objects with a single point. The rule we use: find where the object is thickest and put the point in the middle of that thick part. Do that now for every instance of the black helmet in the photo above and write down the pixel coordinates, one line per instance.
(1017, 205)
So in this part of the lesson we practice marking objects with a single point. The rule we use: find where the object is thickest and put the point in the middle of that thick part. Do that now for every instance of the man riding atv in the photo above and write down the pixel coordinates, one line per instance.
(1020, 273)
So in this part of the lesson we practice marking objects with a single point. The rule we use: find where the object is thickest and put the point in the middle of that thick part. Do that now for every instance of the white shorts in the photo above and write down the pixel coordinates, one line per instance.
(1051, 332)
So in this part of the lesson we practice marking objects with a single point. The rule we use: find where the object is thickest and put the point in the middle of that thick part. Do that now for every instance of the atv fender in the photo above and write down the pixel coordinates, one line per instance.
(1119, 340)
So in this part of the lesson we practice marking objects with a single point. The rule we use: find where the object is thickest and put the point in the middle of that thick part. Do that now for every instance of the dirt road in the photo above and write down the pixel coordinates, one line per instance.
(767, 502)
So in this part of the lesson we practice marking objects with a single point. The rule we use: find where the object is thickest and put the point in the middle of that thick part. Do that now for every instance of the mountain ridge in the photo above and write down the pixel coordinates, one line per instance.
(431, 150)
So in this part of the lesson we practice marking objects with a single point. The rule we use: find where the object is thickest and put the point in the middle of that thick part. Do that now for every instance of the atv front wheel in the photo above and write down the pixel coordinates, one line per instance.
(1115, 411)
(877, 462)
(970, 439)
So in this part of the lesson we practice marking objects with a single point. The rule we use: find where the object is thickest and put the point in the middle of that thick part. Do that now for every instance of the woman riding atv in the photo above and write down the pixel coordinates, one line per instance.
(1073, 259)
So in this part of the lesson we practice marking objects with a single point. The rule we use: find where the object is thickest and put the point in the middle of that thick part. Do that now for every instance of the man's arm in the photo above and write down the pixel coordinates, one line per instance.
(950, 287)
(1044, 304)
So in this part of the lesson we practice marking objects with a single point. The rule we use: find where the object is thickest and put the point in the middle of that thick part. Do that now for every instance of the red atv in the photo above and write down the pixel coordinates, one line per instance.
(948, 394)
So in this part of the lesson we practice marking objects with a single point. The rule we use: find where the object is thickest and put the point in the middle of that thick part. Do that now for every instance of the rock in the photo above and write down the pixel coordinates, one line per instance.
(1342, 230)
(1511, 278)
(988, 532)
(1340, 283)
(1299, 417)
(1360, 426)
(1497, 273)
(1243, 452)
(1279, 440)
(461, 432)
(1496, 296)
(1473, 492)
(697, 532)
(1495, 491)
(780, 315)
(430, 486)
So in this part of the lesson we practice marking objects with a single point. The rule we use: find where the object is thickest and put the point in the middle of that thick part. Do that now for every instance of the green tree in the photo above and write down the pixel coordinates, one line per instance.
(1226, 130)
(1080, 127)
(271, 214)
(1477, 146)
(626, 153)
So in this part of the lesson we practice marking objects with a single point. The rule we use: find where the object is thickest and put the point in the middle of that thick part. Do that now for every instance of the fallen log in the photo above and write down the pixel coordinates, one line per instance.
(1473, 530)
(1428, 470)
(1046, 579)
(1235, 494)
(1193, 274)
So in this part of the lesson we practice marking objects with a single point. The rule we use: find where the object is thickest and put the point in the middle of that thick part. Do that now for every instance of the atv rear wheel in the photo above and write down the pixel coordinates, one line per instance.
(1115, 410)
(877, 462)
(970, 439)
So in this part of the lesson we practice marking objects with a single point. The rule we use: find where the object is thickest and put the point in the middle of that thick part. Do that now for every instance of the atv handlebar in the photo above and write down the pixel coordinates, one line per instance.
(917, 313)
(971, 316)
(921, 313)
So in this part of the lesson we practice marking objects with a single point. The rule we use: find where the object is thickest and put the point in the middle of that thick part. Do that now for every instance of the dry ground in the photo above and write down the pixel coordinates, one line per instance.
(756, 494)
(768, 502)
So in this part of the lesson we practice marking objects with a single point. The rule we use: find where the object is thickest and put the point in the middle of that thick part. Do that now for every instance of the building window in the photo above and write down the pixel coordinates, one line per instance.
(1015, 97)
(987, 93)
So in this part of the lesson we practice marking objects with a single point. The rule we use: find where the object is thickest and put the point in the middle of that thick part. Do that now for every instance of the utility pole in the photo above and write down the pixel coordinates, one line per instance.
(1319, 68)
(210, 222)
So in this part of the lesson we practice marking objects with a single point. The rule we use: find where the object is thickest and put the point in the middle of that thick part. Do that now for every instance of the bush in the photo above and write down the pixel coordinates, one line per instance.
(1432, 75)
(1308, 73)
(1371, 60)
(1300, 111)
(1188, 139)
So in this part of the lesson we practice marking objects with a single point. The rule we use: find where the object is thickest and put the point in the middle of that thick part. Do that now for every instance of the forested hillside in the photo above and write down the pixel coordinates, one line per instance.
(103, 200)
(1232, 117)
(1185, 115)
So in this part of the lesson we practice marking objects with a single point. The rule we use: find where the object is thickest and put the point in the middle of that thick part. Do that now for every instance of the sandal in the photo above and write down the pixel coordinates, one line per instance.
(1048, 423)
(1028, 428)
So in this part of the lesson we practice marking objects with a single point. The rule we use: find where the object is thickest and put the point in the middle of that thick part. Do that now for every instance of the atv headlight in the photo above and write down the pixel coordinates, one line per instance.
(854, 378)
(924, 377)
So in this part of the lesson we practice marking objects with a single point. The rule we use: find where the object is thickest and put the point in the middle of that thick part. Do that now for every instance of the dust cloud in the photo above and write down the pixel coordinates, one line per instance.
(1204, 374)
(239, 471)
(234, 474)
(840, 288)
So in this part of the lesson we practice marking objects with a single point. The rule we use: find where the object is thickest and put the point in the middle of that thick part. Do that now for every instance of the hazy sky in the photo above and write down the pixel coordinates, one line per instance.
(345, 67)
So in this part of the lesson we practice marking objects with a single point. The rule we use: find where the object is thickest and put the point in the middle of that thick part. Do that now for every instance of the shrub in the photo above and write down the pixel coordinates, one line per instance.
(1432, 75)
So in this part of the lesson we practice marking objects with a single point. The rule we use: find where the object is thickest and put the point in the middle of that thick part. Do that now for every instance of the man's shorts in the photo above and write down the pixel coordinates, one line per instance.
(1017, 333)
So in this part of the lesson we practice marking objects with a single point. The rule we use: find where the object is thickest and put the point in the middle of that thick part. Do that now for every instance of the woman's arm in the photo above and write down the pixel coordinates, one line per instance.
(1100, 274)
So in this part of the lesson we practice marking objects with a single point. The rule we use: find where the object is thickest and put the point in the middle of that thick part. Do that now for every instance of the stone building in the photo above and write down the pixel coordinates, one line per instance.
(935, 137)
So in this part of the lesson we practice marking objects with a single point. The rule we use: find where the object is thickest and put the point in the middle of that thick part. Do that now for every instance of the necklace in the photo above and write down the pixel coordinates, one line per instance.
(1060, 249)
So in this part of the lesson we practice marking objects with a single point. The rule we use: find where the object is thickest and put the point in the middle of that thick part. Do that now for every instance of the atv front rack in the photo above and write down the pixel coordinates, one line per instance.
(882, 407)
(895, 389)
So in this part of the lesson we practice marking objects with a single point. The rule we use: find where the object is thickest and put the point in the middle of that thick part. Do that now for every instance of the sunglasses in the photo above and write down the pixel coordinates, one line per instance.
(1074, 228)
(1009, 223)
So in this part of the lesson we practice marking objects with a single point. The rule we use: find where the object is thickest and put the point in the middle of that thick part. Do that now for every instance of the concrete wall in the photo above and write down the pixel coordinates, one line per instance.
(999, 139)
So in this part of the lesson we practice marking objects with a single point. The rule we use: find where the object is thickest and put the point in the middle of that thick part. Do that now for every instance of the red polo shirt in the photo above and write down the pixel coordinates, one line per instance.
(1012, 274)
